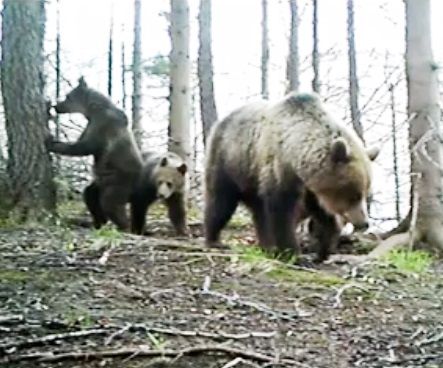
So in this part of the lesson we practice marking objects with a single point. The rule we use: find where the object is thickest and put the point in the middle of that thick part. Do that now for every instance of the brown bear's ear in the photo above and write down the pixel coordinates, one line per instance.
(373, 152)
(164, 162)
(82, 82)
(182, 169)
(340, 151)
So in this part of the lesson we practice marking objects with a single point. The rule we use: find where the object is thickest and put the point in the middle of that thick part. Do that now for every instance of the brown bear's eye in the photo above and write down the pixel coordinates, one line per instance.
(169, 184)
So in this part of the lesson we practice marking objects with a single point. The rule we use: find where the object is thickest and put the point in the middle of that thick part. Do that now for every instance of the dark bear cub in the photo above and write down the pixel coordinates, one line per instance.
(117, 160)
(163, 178)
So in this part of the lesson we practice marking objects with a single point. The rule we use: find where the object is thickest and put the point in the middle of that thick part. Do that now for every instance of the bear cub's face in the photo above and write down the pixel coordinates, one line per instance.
(169, 177)
(75, 100)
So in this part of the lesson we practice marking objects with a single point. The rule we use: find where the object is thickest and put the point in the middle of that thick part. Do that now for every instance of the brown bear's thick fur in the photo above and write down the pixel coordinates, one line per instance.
(282, 159)
(163, 178)
(117, 160)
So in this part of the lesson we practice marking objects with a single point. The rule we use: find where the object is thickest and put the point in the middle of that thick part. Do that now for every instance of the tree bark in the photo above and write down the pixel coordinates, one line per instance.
(264, 51)
(29, 165)
(353, 79)
(205, 68)
(180, 97)
(315, 56)
(395, 153)
(110, 55)
(137, 76)
(424, 129)
(292, 68)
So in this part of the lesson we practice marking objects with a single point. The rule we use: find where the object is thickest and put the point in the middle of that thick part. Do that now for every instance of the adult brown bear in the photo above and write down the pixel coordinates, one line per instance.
(282, 159)
(117, 160)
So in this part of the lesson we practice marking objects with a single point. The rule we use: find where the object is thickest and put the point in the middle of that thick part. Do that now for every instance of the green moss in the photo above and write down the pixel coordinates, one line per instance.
(108, 232)
(409, 261)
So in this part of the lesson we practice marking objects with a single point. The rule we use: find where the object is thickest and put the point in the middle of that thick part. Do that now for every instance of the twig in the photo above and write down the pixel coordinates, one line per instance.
(430, 340)
(50, 338)
(141, 351)
(237, 361)
(117, 333)
(234, 300)
(340, 292)
(11, 319)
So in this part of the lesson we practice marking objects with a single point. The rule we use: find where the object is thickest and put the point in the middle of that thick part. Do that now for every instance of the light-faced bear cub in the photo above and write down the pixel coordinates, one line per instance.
(163, 178)
(117, 160)
(286, 160)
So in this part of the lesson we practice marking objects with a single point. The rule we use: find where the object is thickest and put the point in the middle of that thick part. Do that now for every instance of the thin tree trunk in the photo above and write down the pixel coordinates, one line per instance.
(315, 56)
(395, 154)
(110, 56)
(29, 164)
(123, 74)
(424, 129)
(180, 96)
(137, 76)
(264, 51)
(292, 69)
(353, 79)
(205, 68)
(57, 71)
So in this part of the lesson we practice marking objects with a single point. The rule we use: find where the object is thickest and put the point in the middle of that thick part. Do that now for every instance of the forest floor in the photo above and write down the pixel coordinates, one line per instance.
(75, 297)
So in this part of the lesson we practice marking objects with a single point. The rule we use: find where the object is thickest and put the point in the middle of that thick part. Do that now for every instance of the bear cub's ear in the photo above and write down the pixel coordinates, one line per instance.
(82, 82)
(182, 169)
(340, 151)
(373, 152)
(164, 162)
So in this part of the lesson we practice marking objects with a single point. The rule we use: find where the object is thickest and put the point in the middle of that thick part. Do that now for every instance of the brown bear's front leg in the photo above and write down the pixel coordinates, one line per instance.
(280, 212)
(177, 213)
(256, 205)
(113, 201)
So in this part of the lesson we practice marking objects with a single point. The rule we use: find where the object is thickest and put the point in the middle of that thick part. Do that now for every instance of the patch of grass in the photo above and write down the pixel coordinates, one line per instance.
(78, 317)
(416, 261)
(69, 208)
(252, 258)
(14, 276)
(108, 232)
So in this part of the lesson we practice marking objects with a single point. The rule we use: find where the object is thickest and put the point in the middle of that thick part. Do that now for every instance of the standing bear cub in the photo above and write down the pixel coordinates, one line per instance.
(285, 161)
(163, 177)
(117, 160)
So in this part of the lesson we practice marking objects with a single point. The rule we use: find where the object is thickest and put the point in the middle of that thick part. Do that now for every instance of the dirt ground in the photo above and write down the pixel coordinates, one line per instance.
(73, 297)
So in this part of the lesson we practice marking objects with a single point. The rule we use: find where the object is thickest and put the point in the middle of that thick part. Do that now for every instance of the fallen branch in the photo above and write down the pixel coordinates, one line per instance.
(197, 333)
(142, 352)
(430, 340)
(12, 346)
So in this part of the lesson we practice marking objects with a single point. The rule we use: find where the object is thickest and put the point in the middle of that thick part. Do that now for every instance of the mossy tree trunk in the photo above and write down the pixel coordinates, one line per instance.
(205, 68)
(424, 129)
(180, 93)
(137, 76)
(29, 166)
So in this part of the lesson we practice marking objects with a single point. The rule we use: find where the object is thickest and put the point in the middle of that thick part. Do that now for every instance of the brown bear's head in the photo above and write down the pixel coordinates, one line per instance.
(169, 176)
(348, 183)
(76, 100)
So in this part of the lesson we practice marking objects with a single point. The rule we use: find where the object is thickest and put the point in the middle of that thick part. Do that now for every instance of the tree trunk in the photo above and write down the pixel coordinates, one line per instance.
(353, 80)
(205, 68)
(315, 56)
(57, 72)
(29, 164)
(395, 153)
(180, 97)
(110, 56)
(123, 74)
(137, 76)
(292, 69)
(424, 130)
(264, 50)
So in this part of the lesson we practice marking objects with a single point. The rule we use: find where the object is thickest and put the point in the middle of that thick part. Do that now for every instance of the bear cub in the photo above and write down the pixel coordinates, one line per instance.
(163, 178)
